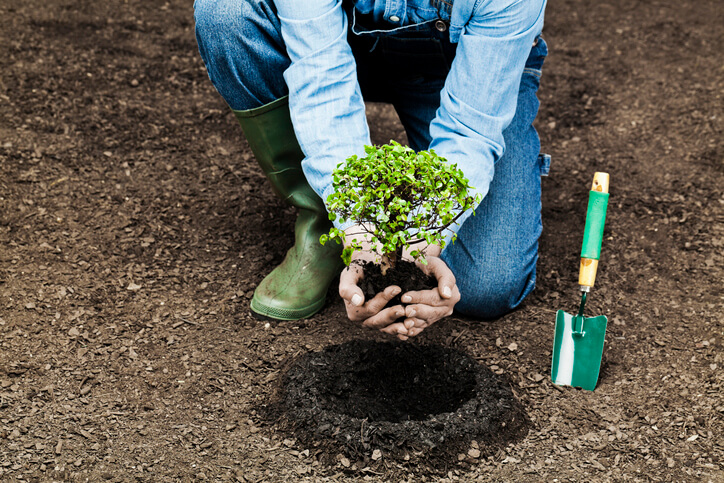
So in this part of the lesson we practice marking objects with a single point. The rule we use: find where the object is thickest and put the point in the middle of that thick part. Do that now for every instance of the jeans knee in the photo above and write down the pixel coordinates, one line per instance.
(494, 293)
(240, 43)
(215, 21)
(237, 26)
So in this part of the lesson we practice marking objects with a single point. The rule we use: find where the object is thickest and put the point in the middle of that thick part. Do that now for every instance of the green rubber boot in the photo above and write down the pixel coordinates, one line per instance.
(296, 289)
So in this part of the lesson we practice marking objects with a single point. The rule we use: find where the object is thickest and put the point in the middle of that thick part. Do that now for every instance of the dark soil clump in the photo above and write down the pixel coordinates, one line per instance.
(404, 274)
(398, 397)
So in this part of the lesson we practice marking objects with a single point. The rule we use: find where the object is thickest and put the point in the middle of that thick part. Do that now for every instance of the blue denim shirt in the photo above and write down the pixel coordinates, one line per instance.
(478, 100)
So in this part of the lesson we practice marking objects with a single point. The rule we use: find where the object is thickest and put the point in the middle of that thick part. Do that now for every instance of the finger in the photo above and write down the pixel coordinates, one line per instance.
(411, 310)
(414, 326)
(385, 317)
(429, 313)
(416, 322)
(402, 337)
(374, 306)
(427, 297)
(381, 299)
(431, 297)
(444, 276)
(398, 328)
(348, 288)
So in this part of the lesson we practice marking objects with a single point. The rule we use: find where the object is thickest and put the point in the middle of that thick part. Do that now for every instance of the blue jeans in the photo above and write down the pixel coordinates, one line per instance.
(494, 256)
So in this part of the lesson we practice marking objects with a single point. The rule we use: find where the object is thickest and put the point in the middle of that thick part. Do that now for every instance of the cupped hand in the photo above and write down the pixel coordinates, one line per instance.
(372, 313)
(425, 307)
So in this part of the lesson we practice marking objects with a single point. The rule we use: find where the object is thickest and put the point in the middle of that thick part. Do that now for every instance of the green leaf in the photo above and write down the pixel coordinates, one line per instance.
(347, 255)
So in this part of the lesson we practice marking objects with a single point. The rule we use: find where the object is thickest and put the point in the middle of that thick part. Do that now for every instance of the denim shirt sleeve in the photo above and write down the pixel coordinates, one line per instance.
(325, 100)
(480, 94)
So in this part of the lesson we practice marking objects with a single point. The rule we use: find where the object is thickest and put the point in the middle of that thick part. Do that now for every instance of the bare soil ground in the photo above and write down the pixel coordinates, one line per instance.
(134, 226)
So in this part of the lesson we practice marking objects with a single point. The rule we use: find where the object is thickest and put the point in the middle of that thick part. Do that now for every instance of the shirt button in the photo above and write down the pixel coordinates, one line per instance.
(440, 25)
(394, 18)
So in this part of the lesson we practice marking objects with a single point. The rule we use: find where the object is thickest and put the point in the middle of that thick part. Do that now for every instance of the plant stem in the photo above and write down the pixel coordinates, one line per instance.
(389, 260)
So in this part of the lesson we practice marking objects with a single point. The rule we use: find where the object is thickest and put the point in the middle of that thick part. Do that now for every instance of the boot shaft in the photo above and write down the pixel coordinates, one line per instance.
(270, 134)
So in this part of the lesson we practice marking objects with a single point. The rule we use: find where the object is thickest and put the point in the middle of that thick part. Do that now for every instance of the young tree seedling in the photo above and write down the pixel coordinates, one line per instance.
(399, 198)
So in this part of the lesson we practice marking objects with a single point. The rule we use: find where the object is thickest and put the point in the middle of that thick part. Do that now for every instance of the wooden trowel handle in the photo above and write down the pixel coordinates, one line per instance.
(593, 233)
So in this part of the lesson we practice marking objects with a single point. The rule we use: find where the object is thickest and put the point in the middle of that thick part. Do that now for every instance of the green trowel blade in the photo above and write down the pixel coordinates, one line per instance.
(577, 350)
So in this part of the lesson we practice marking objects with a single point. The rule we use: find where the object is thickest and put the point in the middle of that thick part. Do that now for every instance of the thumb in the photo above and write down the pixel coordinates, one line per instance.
(348, 288)
(444, 276)
(354, 296)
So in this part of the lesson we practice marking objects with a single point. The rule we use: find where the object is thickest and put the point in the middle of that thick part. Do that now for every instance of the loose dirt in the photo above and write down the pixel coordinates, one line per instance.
(134, 226)
(404, 274)
(420, 404)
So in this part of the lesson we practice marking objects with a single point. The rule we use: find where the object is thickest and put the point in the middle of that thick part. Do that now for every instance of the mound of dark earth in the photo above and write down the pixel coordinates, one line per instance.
(399, 398)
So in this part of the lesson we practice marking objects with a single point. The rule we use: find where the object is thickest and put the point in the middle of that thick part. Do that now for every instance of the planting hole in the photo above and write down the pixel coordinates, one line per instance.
(365, 395)
(399, 382)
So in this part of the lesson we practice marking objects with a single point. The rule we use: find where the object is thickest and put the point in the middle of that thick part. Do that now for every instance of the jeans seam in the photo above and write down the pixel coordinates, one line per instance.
(535, 72)
(403, 29)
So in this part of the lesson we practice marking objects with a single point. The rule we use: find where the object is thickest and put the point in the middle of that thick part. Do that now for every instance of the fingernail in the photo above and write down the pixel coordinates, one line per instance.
(400, 313)
(413, 312)
(446, 292)
(357, 300)
(395, 291)
(406, 298)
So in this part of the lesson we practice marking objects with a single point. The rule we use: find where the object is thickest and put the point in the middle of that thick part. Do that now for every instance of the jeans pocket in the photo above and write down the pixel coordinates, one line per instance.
(534, 63)
(423, 55)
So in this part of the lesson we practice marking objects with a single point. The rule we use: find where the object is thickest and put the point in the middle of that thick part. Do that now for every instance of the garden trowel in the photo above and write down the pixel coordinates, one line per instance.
(578, 341)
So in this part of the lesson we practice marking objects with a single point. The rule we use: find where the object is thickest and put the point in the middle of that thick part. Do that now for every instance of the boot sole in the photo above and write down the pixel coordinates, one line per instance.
(263, 311)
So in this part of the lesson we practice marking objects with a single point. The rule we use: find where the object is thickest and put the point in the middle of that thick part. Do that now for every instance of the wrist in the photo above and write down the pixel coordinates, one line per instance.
(427, 250)
(361, 235)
